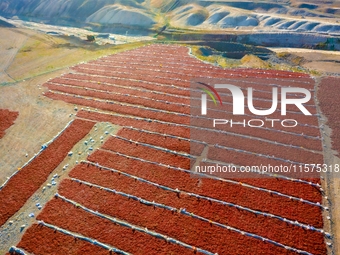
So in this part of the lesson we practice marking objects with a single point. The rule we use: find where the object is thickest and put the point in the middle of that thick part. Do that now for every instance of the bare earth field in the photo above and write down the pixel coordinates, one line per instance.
(37, 58)
(38, 53)
(9, 50)
(327, 62)
(118, 161)
(38, 121)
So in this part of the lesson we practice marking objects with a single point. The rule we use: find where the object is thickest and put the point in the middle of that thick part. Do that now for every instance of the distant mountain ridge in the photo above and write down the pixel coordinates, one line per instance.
(78, 10)
(270, 15)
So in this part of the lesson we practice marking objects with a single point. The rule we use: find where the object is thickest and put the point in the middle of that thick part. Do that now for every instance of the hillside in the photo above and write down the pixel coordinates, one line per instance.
(280, 15)
(75, 11)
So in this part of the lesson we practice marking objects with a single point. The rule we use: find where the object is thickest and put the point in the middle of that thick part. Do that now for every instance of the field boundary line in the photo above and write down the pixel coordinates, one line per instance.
(206, 176)
(177, 191)
(201, 128)
(134, 227)
(82, 237)
(44, 146)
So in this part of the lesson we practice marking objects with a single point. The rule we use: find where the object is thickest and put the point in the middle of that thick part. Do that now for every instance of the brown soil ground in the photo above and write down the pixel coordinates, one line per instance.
(319, 60)
(33, 59)
(39, 120)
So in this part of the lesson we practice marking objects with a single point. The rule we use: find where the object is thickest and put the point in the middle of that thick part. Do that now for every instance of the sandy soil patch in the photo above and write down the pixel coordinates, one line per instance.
(319, 60)
(9, 49)
(39, 120)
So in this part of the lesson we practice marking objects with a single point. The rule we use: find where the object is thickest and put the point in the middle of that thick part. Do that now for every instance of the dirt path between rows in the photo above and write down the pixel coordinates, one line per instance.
(13, 230)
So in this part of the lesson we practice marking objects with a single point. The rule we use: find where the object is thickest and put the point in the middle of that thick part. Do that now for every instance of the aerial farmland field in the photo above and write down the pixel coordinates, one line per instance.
(134, 192)
(169, 127)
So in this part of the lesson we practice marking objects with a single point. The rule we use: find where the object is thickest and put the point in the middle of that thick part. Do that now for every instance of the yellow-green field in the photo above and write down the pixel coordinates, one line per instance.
(43, 53)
